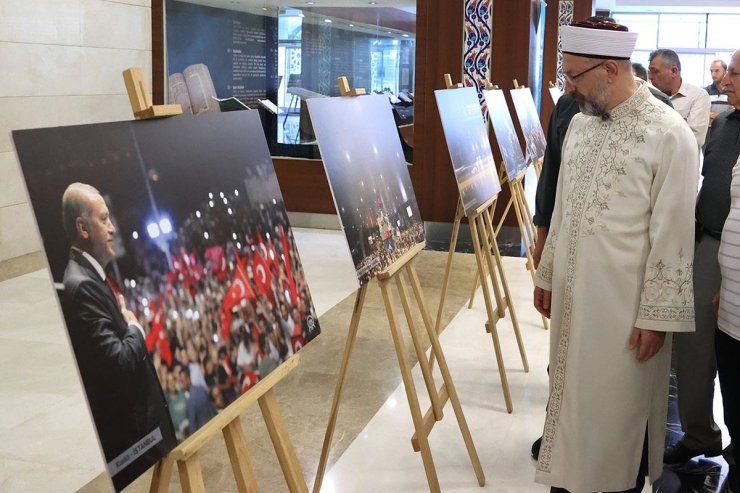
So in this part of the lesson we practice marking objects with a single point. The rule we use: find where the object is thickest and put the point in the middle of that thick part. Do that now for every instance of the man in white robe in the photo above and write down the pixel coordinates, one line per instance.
(615, 275)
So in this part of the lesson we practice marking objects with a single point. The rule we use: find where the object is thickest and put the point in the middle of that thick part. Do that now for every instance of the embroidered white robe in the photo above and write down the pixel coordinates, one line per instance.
(618, 255)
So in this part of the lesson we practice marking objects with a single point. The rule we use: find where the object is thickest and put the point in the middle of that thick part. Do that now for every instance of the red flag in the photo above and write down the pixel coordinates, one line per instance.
(217, 257)
(240, 289)
(225, 324)
(288, 266)
(262, 274)
(297, 343)
(157, 334)
(249, 380)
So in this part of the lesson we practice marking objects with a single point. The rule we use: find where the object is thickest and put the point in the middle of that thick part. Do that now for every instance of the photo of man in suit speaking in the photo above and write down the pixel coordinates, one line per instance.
(123, 391)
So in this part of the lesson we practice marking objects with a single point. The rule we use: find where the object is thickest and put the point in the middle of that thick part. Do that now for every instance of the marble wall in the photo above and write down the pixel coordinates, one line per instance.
(61, 63)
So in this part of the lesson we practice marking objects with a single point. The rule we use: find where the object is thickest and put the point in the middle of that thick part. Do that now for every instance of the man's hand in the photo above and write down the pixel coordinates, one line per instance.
(542, 301)
(128, 315)
(647, 342)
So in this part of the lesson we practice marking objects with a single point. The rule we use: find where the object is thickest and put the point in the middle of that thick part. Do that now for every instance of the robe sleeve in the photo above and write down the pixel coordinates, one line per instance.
(667, 297)
(543, 278)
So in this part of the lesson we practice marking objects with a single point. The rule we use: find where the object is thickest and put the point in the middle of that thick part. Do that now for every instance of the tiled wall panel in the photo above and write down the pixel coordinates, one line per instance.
(62, 62)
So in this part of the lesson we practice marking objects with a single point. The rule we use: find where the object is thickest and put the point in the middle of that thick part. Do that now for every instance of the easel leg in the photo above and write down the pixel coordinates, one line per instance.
(530, 259)
(492, 317)
(507, 301)
(351, 337)
(446, 377)
(425, 367)
(241, 463)
(448, 269)
(408, 384)
(191, 475)
(161, 476)
(476, 278)
(282, 444)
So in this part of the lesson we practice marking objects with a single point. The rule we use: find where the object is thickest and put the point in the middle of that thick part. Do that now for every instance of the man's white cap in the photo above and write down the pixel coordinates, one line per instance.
(597, 43)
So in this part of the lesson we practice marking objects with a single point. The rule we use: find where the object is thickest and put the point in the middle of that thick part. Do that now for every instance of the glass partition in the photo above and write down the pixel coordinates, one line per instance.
(223, 55)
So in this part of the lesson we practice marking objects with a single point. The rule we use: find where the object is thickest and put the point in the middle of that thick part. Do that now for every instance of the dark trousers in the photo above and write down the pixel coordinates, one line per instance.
(639, 482)
(728, 367)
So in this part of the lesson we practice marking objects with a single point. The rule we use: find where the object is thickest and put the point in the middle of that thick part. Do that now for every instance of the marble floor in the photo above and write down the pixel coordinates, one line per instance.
(47, 442)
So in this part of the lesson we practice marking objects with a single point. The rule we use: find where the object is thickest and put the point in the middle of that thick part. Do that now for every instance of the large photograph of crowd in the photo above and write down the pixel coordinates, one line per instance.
(470, 150)
(529, 121)
(503, 128)
(369, 179)
(175, 266)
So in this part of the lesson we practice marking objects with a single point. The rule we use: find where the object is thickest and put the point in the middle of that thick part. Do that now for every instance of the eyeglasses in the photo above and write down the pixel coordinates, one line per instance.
(572, 78)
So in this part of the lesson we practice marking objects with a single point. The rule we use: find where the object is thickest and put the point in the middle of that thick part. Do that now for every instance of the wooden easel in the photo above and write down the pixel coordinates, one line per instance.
(228, 421)
(423, 424)
(537, 163)
(487, 255)
(141, 102)
(524, 217)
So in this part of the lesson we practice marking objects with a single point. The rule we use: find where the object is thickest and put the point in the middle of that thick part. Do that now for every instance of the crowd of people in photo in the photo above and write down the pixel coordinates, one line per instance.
(385, 242)
(223, 303)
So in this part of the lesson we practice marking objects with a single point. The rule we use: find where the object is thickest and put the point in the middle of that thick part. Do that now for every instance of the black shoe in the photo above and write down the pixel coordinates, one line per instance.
(536, 448)
(680, 454)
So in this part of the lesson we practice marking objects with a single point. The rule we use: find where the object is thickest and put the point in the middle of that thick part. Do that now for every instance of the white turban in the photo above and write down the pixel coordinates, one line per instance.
(597, 43)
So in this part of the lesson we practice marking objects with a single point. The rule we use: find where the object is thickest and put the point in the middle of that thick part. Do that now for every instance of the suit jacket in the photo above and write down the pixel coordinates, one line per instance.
(123, 391)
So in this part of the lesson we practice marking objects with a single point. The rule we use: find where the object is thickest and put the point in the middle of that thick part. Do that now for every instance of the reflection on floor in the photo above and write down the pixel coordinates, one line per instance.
(46, 436)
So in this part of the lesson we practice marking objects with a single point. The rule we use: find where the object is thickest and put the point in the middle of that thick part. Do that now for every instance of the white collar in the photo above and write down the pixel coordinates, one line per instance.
(96, 265)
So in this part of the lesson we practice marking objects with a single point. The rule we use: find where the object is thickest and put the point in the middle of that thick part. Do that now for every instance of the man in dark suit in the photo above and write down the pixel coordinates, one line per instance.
(123, 391)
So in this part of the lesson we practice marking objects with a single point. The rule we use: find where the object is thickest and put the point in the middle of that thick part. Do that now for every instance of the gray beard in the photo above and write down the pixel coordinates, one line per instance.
(592, 109)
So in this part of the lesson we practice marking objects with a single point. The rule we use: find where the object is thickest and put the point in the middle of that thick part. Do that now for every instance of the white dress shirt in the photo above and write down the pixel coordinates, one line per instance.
(692, 103)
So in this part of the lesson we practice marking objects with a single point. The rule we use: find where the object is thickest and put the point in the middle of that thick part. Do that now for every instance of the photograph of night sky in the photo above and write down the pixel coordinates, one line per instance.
(369, 179)
(470, 150)
(503, 128)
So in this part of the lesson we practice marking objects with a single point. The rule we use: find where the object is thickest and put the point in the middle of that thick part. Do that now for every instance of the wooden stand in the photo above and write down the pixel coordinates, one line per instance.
(344, 89)
(537, 163)
(228, 423)
(141, 103)
(487, 255)
(525, 222)
(423, 424)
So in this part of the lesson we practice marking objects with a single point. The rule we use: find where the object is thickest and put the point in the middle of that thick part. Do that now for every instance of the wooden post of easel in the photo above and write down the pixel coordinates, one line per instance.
(524, 218)
(537, 163)
(138, 96)
(485, 246)
(228, 423)
(423, 424)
